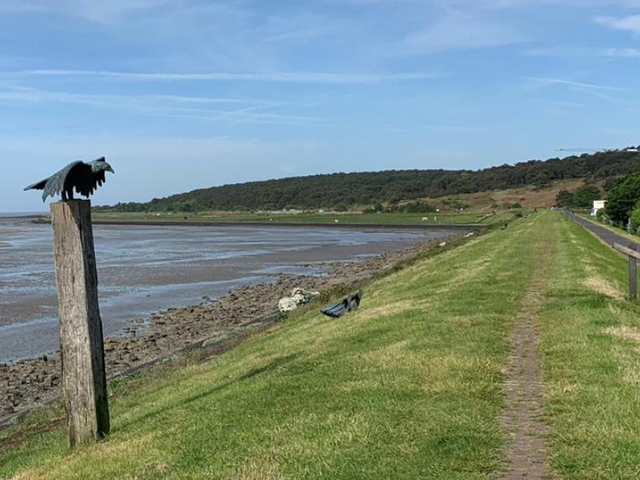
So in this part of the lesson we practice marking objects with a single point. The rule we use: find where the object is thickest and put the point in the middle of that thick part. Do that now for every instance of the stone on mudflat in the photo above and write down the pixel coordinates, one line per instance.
(299, 297)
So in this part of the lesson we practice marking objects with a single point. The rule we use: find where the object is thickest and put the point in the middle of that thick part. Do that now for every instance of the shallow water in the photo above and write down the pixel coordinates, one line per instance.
(143, 270)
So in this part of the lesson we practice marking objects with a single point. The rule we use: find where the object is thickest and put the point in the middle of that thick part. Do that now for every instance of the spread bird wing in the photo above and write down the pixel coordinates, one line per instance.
(56, 182)
(86, 182)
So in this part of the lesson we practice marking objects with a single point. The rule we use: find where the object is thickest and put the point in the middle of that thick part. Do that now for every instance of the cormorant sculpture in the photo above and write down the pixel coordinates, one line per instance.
(82, 177)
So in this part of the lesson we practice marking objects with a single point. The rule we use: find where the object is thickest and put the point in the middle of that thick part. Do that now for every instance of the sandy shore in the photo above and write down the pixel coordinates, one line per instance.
(30, 383)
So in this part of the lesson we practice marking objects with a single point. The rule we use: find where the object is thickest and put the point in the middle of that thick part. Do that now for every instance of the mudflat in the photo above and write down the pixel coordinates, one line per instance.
(165, 288)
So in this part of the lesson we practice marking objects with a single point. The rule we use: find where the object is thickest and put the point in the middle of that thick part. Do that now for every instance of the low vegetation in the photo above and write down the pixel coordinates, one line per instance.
(344, 190)
(410, 386)
(583, 197)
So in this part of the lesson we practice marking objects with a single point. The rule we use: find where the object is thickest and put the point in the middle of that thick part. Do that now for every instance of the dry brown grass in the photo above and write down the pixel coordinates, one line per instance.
(600, 285)
(624, 333)
(528, 197)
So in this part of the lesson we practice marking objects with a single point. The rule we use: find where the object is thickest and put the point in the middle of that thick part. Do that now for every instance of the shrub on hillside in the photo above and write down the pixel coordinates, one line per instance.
(419, 207)
(635, 217)
(586, 195)
(623, 198)
(564, 199)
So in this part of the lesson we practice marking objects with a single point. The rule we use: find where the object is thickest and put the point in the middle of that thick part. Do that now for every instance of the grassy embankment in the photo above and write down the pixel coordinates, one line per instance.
(378, 218)
(409, 387)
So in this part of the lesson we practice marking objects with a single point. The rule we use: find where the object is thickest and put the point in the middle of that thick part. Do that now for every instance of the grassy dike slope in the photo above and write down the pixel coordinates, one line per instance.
(411, 386)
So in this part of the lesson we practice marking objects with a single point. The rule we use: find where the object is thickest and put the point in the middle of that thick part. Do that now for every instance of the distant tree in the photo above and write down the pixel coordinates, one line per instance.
(395, 186)
(419, 207)
(564, 199)
(635, 217)
(610, 183)
(585, 196)
(623, 198)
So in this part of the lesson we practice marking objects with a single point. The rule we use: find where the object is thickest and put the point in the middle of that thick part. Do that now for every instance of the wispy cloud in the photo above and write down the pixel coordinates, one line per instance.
(173, 106)
(460, 31)
(621, 52)
(560, 103)
(584, 52)
(102, 12)
(501, 4)
(607, 93)
(544, 82)
(630, 23)
(463, 129)
(272, 77)
(297, 28)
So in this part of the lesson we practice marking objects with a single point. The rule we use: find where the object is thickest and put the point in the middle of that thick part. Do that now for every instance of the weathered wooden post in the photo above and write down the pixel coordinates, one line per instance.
(634, 256)
(84, 380)
(633, 287)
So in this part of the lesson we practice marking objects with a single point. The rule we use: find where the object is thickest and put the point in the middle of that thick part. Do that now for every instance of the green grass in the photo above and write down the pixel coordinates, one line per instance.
(408, 387)
(377, 218)
(592, 371)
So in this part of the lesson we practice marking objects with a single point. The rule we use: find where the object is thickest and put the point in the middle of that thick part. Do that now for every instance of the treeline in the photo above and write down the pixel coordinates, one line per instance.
(623, 203)
(390, 187)
(583, 197)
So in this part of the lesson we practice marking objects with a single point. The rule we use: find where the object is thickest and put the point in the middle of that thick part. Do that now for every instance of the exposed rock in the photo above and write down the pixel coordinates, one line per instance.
(299, 297)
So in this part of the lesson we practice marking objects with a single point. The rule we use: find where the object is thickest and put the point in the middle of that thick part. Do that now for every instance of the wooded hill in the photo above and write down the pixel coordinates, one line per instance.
(342, 190)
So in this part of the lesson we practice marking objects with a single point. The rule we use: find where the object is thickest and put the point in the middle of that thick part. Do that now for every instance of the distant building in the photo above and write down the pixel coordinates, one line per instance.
(597, 205)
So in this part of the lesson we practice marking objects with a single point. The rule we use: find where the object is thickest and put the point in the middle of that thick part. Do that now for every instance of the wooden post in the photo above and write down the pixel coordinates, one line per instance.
(84, 379)
(634, 256)
(633, 288)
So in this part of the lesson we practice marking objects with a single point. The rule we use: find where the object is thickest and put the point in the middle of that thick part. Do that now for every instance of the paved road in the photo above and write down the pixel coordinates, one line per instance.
(604, 234)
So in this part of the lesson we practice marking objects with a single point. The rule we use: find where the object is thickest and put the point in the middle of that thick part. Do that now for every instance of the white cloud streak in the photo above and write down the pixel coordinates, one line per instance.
(543, 82)
(91, 10)
(630, 23)
(584, 52)
(457, 31)
(269, 77)
(173, 106)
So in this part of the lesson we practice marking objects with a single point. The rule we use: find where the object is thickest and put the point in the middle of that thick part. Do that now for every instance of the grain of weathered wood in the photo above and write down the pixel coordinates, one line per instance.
(633, 279)
(627, 251)
(81, 341)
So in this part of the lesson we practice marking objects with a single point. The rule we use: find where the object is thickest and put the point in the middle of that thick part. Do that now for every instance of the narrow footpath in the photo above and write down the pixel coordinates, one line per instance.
(522, 419)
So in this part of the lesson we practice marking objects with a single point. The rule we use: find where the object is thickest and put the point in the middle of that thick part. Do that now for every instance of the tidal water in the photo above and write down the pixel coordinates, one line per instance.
(143, 270)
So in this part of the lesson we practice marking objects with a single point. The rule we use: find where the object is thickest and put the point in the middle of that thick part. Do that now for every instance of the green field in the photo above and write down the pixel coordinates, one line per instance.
(375, 218)
(410, 386)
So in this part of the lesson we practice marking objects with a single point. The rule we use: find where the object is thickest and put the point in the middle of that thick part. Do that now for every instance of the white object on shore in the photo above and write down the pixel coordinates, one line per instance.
(299, 297)
(443, 244)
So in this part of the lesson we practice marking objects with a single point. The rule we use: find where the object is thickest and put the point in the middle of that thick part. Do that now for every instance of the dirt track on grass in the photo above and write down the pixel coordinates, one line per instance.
(522, 420)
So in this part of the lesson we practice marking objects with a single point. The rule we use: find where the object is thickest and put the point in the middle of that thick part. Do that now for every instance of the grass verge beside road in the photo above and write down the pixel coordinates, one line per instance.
(410, 386)
(591, 350)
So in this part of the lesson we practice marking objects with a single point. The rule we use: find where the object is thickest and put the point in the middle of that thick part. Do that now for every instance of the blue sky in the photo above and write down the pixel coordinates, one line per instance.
(180, 94)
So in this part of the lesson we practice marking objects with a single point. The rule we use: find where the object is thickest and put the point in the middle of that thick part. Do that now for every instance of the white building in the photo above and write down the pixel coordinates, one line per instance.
(597, 205)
